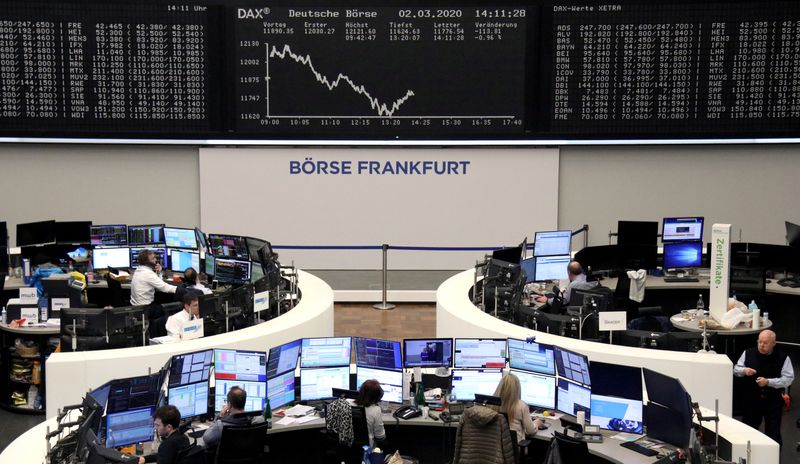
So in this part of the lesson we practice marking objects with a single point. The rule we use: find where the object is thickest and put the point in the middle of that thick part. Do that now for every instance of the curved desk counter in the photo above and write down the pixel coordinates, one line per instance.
(707, 377)
(71, 375)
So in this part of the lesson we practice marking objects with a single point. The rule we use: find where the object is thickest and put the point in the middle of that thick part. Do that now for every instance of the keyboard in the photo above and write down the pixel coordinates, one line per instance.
(791, 283)
(681, 279)
(638, 448)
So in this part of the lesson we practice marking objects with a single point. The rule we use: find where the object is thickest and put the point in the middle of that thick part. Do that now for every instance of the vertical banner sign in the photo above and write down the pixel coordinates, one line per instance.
(720, 270)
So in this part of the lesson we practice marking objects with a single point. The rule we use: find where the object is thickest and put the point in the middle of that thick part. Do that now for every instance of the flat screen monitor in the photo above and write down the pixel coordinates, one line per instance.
(202, 239)
(529, 266)
(231, 246)
(573, 398)
(36, 233)
(161, 255)
(3, 234)
(189, 368)
(572, 366)
(531, 357)
(551, 268)
(509, 255)
(620, 414)
(175, 237)
(209, 264)
(637, 233)
(283, 358)
(480, 352)
(244, 369)
(391, 382)
(538, 391)
(149, 234)
(683, 255)
(431, 352)
(668, 425)
(253, 245)
(466, 383)
(108, 235)
(666, 391)
(325, 352)
(231, 271)
(616, 380)
(792, 234)
(117, 258)
(180, 260)
(73, 231)
(558, 242)
(100, 394)
(318, 384)
(3, 258)
(380, 354)
(134, 393)
(129, 427)
(191, 400)
(682, 229)
(280, 389)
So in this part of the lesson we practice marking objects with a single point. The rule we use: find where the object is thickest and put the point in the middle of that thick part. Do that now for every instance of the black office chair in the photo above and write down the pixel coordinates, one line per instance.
(337, 452)
(242, 445)
(569, 449)
(521, 454)
(115, 290)
(193, 454)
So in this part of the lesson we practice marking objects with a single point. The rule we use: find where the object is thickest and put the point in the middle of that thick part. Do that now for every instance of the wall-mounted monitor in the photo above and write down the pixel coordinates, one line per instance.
(678, 229)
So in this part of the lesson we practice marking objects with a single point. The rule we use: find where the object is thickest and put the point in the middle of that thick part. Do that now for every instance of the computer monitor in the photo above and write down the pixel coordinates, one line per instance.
(531, 357)
(572, 366)
(150, 234)
(558, 242)
(682, 229)
(129, 426)
(283, 358)
(85, 321)
(191, 400)
(691, 342)
(391, 382)
(161, 255)
(529, 266)
(509, 255)
(637, 233)
(683, 255)
(73, 232)
(117, 258)
(638, 256)
(318, 384)
(209, 264)
(231, 271)
(380, 354)
(176, 237)
(325, 352)
(231, 246)
(189, 368)
(36, 233)
(668, 425)
(666, 391)
(3, 234)
(538, 391)
(280, 389)
(620, 414)
(180, 260)
(573, 398)
(480, 352)
(466, 383)
(202, 239)
(133, 393)
(551, 268)
(616, 380)
(428, 352)
(792, 234)
(253, 245)
(244, 369)
(100, 395)
(108, 235)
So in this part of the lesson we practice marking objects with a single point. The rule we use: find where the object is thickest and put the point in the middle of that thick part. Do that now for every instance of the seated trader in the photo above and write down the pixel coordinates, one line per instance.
(369, 395)
(166, 421)
(766, 372)
(232, 413)
(191, 311)
(190, 279)
(147, 279)
(577, 281)
(519, 418)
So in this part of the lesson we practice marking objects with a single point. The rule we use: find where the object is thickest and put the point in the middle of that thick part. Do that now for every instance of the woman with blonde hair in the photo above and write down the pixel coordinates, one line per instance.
(519, 418)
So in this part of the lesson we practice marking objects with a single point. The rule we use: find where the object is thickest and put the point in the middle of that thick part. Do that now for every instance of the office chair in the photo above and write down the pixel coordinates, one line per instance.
(652, 319)
(337, 452)
(192, 454)
(520, 447)
(569, 449)
(115, 290)
(242, 445)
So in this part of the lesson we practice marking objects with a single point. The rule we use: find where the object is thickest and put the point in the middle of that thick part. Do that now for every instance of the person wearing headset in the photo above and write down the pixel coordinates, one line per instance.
(147, 280)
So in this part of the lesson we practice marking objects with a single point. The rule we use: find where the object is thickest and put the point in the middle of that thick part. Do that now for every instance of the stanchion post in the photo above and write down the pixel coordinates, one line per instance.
(383, 304)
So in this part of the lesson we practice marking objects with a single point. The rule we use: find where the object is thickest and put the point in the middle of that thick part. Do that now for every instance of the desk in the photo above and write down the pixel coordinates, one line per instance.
(692, 325)
(707, 377)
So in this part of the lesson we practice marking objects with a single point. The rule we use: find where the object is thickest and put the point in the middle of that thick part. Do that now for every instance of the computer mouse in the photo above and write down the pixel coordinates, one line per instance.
(768, 281)
(544, 426)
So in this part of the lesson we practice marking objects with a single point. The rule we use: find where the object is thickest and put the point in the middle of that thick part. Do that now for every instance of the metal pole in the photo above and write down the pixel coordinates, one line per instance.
(586, 235)
(384, 305)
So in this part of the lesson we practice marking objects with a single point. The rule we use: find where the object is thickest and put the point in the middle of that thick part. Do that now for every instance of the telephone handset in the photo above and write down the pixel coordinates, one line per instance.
(407, 412)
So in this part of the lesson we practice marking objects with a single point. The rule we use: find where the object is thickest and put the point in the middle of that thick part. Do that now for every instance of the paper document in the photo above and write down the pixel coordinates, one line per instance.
(286, 421)
(304, 419)
(298, 410)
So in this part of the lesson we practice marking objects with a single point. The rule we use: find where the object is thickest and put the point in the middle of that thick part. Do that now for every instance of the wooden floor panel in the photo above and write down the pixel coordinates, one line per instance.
(407, 320)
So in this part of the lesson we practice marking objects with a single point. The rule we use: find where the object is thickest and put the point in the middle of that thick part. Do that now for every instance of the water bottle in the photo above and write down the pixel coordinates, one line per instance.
(756, 314)
(3, 316)
(701, 305)
(766, 317)
(42, 309)
(268, 413)
(419, 398)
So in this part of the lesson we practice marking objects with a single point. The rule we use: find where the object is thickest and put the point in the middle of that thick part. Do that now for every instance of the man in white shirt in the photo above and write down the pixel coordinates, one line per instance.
(190, 279)
(191, 310)
(147, 279)
(577, 281)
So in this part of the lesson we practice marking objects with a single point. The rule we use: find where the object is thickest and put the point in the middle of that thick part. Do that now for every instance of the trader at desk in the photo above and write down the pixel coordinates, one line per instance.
(147, 280)
(190, 279)
(191, 310)
(232, 413)
(577, 281)
(167, 420)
